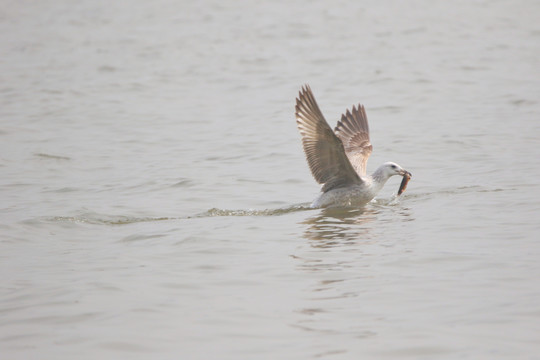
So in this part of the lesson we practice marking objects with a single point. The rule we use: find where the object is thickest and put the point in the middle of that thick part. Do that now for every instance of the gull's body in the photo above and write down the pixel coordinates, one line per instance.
(337, 159)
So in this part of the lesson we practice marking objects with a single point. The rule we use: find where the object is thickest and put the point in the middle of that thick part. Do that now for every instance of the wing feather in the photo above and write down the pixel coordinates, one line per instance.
(324, 150)
(353, 131)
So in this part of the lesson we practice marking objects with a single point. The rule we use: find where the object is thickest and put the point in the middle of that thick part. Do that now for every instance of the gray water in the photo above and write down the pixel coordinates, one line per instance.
(154, 191)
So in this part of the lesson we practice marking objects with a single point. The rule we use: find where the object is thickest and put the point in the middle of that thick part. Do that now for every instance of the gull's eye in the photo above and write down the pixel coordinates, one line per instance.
(393, 166)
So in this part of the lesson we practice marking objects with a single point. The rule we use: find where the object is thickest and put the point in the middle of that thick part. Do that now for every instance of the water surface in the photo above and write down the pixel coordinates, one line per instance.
(154, 192)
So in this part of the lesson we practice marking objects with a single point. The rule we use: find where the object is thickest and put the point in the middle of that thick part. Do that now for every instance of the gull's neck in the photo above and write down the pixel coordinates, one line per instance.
(379, 178)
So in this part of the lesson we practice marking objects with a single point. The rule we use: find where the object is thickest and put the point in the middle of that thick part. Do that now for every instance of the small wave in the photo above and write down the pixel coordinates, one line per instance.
(104, 219)
(183, 182)
(49, 156)
(266, 212)
(455, 191)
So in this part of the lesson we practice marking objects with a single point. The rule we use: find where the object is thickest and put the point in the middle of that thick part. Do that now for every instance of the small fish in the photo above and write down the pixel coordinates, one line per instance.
(404, 183)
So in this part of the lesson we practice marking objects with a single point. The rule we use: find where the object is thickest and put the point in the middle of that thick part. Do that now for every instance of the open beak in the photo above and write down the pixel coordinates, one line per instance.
(405, 173)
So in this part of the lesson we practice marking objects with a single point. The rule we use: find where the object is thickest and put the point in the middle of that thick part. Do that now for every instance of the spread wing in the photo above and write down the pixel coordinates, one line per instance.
(353, 131)
(324, 150)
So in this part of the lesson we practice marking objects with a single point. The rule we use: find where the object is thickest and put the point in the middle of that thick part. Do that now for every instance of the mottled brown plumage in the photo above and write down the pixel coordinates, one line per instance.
(353, 131)
(324, 150)
(338, 159)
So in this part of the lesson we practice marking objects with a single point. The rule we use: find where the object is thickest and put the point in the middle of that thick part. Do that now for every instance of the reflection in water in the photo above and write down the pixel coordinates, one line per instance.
(345, 228)
(338, 226)
(332, 231)
(339, 256)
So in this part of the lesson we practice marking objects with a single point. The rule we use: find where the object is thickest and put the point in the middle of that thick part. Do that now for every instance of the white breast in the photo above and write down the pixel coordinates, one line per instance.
(349, 196)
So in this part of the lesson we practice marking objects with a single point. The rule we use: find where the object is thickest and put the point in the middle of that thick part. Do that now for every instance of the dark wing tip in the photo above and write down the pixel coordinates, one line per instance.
(305, 90)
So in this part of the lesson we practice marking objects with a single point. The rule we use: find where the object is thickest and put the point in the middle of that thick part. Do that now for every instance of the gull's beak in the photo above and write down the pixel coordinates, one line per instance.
(405, 173)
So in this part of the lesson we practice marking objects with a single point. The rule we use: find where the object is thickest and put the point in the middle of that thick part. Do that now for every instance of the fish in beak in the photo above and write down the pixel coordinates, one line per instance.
(406, 177)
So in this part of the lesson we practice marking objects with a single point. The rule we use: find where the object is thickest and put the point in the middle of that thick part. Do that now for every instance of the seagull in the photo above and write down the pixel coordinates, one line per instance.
(337, 159)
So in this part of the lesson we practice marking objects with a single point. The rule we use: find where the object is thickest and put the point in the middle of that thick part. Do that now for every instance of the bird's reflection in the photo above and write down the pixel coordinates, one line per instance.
(334, 230)
(342, 246)
(338, 226)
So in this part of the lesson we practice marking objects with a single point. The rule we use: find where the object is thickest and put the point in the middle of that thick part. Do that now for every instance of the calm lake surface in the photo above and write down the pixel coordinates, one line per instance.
(153, 189)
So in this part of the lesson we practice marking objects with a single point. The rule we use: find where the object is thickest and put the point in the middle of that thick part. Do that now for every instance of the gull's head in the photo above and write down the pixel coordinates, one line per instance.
(391, 169)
